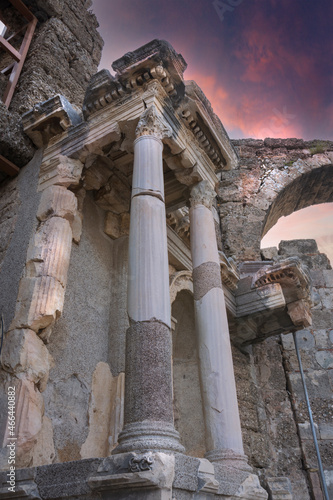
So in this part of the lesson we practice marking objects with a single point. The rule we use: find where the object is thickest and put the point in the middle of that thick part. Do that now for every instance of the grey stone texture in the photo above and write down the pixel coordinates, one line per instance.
(64, 53)
(14, 144)
(273, 412)
(205, 277)
(274, 178)
(148, 384)
(18, 207)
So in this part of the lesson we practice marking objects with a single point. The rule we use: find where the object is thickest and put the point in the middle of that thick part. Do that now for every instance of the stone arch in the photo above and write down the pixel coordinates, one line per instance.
(273, 184)
(309, 188)
(188, 409)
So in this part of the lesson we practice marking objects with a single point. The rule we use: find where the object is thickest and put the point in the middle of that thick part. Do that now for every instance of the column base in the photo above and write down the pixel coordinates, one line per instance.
(234, 476)
(148, 436)
(229, 458)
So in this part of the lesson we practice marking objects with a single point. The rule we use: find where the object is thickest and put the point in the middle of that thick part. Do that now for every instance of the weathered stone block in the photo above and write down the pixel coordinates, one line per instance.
(57, 201)
(269, 253)
(44, 452)
(40, 302)
(29, 411)
(328, 276)
(64, 172)
(114, 196)
(24, 352)
(50, 253)
(104, 400)
(322, 339)
(296, 247)
(325, 359)
(299, 313)
(117, 225)
(98, 171)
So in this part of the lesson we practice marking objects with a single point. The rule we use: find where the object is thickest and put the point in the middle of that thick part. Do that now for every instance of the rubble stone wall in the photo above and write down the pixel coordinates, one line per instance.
(64, 53)
(275, 422)
(274, 178)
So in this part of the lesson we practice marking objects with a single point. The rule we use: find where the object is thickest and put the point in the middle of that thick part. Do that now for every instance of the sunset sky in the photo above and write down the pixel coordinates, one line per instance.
(265, 65)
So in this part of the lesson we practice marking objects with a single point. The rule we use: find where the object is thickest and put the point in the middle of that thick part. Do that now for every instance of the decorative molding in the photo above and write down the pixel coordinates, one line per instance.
(202, 194)
(150, 123)
(49, 119)
(292, 276)
(107, 89)
(139, 464)
(203, 140)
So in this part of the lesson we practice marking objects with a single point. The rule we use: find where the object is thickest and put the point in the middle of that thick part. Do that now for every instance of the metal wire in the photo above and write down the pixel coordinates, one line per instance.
(321, 470)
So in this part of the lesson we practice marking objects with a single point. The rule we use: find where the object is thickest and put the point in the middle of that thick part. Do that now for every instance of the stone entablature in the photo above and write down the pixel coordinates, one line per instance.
(265, 290)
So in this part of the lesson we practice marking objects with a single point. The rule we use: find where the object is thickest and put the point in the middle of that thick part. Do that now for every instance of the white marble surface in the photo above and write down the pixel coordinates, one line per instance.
(203, 237)
(148, 167)
(217, 374)
(148, 278)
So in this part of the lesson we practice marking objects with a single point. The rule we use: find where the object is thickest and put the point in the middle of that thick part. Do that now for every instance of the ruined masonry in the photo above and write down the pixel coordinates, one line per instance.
(148, 338)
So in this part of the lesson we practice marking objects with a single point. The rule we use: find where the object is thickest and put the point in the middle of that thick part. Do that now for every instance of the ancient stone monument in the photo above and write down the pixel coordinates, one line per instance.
(148, 347)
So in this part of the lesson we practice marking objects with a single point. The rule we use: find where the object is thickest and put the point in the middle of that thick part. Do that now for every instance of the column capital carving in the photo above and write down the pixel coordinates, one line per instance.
(202, 194)
(150, 123)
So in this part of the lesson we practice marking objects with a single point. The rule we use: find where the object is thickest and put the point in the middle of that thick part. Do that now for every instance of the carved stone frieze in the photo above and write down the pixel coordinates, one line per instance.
(202, 194)
(138, 464)
(151, 123)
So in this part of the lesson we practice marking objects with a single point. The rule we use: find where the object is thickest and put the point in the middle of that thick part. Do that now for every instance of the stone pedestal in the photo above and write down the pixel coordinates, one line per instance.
(148, 380)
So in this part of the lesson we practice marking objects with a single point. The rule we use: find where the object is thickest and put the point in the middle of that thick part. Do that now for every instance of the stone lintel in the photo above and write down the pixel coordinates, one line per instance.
(192, 164)
(49, 119)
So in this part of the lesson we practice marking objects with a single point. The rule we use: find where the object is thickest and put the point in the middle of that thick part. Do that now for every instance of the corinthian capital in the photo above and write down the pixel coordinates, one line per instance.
(202, 194)
(151, 123)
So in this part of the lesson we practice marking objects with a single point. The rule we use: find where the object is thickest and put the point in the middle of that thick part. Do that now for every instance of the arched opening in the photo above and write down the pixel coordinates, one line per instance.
(303, 210)
(315, 222)
(188, 410)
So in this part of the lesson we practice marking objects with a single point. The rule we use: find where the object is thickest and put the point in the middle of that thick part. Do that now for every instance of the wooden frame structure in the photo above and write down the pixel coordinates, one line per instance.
(14, 69)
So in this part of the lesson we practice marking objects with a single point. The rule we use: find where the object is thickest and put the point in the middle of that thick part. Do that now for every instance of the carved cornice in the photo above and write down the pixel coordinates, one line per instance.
(104, 89)
(49, 119)
(151, 123)
(213, 153)
(290, 273)
(134, 70)
(202, 194)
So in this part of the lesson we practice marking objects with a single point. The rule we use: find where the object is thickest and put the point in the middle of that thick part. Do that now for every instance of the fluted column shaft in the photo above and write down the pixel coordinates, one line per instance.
(223, 430)
(148, 381)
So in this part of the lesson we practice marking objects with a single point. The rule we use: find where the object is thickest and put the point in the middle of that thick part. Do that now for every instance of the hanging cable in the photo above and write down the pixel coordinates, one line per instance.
(321, 470)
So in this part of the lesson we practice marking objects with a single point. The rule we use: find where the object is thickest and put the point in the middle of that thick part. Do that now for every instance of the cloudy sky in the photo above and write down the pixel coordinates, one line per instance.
(265, 65)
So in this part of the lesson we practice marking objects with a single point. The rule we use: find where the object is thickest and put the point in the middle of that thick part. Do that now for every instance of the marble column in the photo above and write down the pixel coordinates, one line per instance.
(223, 430)
(148, 413)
